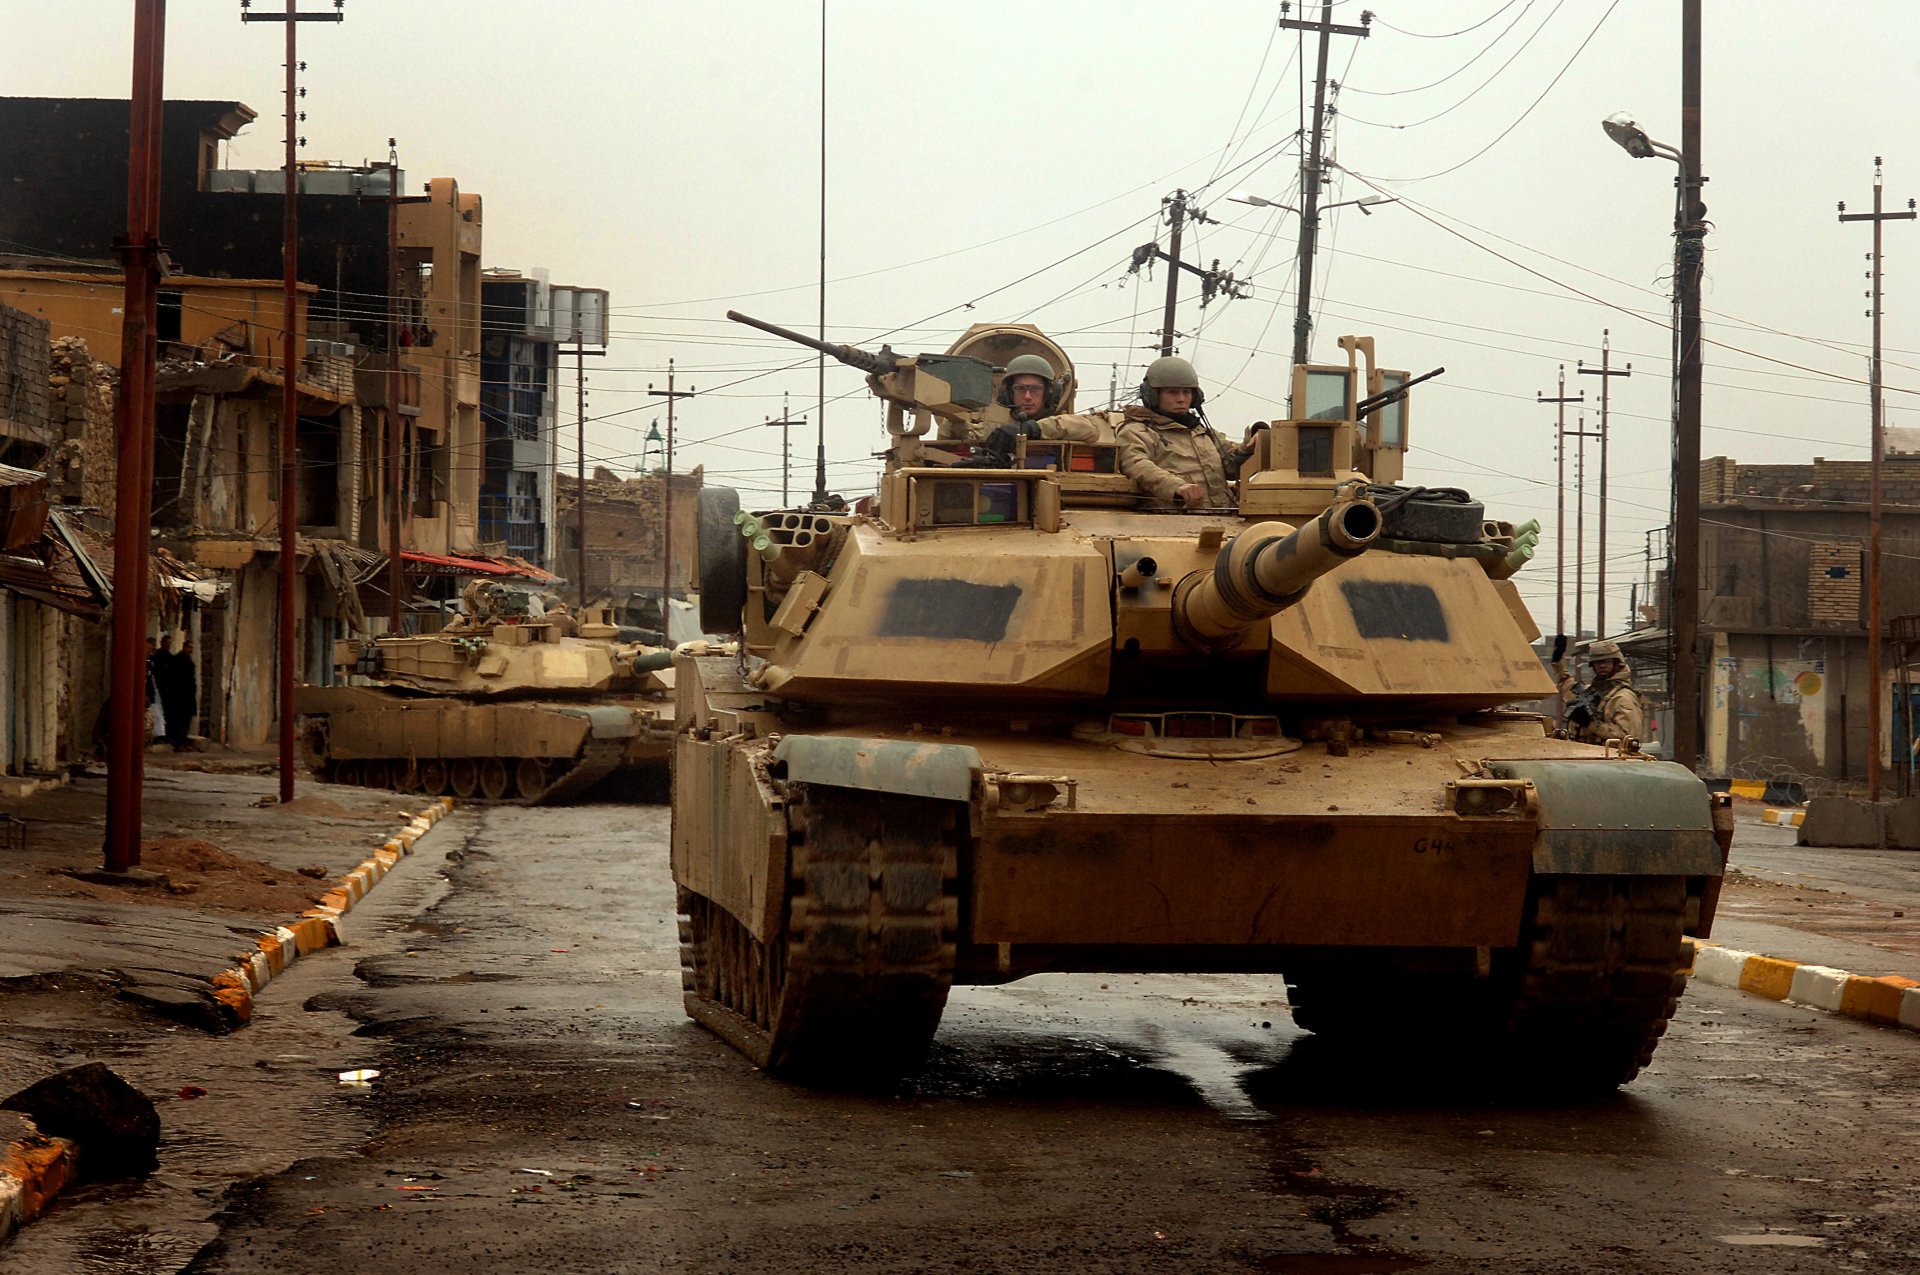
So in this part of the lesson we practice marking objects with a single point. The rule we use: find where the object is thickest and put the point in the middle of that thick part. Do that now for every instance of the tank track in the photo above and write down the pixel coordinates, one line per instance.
(852, 988)
(1577, 1009)
(598, 759)
(1605, 969)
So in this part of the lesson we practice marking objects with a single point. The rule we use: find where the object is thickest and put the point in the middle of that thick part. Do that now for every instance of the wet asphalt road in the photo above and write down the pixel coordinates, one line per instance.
(545, 1106)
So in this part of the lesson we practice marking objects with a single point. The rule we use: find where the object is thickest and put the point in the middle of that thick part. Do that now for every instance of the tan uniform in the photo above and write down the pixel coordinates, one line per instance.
(1161, 456)
(1618, 714)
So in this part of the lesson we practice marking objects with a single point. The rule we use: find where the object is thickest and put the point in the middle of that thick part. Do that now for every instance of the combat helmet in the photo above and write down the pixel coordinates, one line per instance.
(1170, 372)
(1031, 365)
(1605, 649)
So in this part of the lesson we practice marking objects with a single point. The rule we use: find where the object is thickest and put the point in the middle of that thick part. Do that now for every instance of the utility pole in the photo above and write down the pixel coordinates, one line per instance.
(1213, 280)
(1877, 409)
(820, 359)
(1579, 530)
(142, 263)
(785, 453)
(396, 570)
(1310, 168)
(666, 482)
(1606, 372)
(580, 463)
(1689, 253)
(1560, 498)
(290, 373)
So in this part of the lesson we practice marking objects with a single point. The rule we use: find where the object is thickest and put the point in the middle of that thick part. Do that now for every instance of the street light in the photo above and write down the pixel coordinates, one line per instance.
(1683, 546)
(1365, 204)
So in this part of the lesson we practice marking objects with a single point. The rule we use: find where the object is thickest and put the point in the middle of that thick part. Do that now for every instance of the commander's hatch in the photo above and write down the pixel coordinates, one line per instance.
(1297, 464)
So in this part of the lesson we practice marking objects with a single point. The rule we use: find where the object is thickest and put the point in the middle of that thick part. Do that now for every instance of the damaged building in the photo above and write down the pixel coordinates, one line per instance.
(363, 376)
(625, 521)
(1783, 610)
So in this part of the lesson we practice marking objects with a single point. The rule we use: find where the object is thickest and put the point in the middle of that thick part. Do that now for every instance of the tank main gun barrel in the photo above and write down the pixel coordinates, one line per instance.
(852, 355)
(1266, 569)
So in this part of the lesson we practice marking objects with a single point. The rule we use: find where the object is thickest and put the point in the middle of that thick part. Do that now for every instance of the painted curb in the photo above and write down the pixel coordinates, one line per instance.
(1754, 788)
(1783, 818)
(314, 929)
(1889, 1000)
(34, 1168)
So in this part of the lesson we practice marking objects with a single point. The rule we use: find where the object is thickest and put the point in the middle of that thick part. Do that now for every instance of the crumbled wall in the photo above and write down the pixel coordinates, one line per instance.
(82, 403)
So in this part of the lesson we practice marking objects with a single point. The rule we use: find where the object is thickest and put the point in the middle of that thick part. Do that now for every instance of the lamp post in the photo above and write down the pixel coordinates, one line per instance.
(1683, 546)
(1309, 234)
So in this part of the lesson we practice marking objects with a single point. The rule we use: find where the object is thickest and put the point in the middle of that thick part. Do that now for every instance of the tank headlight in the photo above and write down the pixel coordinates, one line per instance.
(1481, 798)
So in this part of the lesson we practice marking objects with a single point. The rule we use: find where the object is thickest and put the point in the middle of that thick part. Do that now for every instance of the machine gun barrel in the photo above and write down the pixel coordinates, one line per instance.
(1375, 402)
(852, 355)
(1266, 569)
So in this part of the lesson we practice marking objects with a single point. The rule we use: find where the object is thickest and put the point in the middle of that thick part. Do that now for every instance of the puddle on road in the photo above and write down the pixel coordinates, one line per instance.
(1774, 1239)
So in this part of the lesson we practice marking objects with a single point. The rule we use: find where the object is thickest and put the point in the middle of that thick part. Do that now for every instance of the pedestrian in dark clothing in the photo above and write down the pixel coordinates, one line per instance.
(179, 684)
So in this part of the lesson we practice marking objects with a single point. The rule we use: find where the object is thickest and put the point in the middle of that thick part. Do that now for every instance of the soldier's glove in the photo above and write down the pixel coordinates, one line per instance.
(1001, 441)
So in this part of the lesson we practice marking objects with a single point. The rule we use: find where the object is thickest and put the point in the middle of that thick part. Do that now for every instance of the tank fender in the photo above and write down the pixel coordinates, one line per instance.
(1619, 818)
(610, 721)
(944, 772)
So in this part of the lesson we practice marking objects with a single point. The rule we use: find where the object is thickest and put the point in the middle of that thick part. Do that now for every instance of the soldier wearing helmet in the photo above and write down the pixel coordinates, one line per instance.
(1030, 391)
(1167, 447)
(1607, 707)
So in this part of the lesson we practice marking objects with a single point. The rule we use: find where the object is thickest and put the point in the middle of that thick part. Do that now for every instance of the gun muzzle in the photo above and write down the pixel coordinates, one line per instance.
(1266, 569)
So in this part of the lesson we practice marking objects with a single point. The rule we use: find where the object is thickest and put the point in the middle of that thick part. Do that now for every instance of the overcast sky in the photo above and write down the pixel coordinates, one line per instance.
(995, 161)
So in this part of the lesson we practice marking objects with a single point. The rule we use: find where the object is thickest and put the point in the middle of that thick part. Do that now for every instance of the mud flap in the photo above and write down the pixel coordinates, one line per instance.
(945, 772)
(1619, 818)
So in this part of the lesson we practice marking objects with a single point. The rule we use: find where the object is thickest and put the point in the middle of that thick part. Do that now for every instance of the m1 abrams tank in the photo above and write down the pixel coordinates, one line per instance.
(997, 722)
(507, 703)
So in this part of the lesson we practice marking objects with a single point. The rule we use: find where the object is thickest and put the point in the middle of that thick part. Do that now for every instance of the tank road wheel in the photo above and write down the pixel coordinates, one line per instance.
(433, 776)
(495, 778)
(463, 774)
(406, 776)
(376, 774)
(529, 778)
(347, 772)
(853, 986)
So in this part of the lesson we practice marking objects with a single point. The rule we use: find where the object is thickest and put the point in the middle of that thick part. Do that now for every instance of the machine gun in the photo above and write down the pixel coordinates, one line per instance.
(951, 387)
(1388, 397)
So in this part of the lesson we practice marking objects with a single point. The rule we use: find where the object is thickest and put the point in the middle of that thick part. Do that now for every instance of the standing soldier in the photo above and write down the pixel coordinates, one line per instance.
(1607, 707)
(1167, 447)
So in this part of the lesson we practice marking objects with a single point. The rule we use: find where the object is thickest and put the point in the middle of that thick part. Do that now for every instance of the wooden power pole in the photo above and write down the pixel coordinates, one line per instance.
(1606, 372)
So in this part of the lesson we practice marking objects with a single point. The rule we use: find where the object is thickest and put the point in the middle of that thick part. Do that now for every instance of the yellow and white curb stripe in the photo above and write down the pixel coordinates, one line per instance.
(1754, 788)
(1889, 1000)
(314, 929)
(35, 1168)
(1783, 818)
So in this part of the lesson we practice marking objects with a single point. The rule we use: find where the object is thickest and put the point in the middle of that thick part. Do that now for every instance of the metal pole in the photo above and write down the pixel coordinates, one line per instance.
(1178, 202)
(396, 571)
(666, 522)
(289, 415)
(1560, 401)
(666, 478)
(1877, 408)
(580, 462)
(1606, 372)
(1310, 197)
(1580, 530)
(820, 360)
(1689, 251)
(139, 260)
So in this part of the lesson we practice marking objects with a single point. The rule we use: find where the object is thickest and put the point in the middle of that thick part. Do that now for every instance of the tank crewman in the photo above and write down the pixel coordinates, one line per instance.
(1607, 707)
(1030, 391)
(1168, 449)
